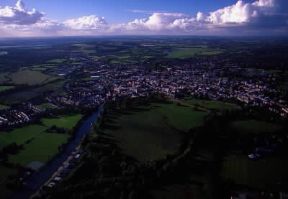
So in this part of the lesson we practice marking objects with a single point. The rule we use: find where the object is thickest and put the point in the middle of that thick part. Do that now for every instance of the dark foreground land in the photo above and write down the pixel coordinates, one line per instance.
(151, 148)
(184, 117)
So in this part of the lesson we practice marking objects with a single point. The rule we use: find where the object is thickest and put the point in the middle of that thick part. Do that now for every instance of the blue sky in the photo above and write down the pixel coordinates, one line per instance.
(101, 17)
(119, 10)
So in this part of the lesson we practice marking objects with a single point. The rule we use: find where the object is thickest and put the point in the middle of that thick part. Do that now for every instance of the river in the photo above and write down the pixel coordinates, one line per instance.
(39, 178)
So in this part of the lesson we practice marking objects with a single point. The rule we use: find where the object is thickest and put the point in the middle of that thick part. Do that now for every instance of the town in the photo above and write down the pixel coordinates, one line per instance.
(99, 82)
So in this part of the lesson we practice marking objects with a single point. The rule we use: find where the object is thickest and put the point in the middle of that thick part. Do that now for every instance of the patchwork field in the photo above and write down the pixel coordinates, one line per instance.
(30, 77)
(212, 105)
(5, 88)
(46, 106)
(184, 53)
(29, 93)
(3, 107)
(40, 148)
(39, 145)
(67, 122)
(56, 61)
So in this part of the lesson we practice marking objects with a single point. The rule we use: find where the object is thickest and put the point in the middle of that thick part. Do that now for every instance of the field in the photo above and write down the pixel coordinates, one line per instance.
(255, 174)
(184, 53)
(212, 105)
(3, 107)
(41, 148)
(20, 135)
(29, 93)
(66, 122)
(254, 126)
(45, 106)
(5, 88)
(154, 132)
(38, 144)
(30, 77)
(56, 61)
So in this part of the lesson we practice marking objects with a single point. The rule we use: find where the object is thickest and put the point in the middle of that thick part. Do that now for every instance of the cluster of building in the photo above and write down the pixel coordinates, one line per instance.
(97, 82)
(19, 115)
(231, 83)
(66, 167)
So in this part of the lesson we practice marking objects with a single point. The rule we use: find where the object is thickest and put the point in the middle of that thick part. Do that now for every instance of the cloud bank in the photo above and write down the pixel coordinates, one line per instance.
(18, 15)
(242, 18)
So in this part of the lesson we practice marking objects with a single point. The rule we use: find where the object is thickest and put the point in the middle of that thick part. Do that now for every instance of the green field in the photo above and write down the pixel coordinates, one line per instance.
(30, 77)
(29, 93)
(56, 61)
(20, 135)
(154, 132)
(85, 48)
(255, 174)
(184, 53)
(67, 122)
(3, 107)
(5, 88)
(38, 144)
(46, 106)
(42, 148)
(212, 105)
(254, 126)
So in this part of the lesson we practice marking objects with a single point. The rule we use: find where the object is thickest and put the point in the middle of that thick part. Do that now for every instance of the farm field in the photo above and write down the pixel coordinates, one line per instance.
(3, 107)
(30, 77)
(5, 88)
(46, 106)
(254, 126)
(40, 148)
(56, 61)
(67, 122)
(153, 133)
(20, 135)
(38, 144)
(212, 105)
(184, 53)
(29, 93)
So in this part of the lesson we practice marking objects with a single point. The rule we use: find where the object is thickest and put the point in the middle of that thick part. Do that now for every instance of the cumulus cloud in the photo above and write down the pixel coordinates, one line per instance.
(259, 16)
(264, 3)
(241, 15)
(91, 22)
(241, 12)
(19, 15)
(168, 23)
(238, 13)
(158, 22)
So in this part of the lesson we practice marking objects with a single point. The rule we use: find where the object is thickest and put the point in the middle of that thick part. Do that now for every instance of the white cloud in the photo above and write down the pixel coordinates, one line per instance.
(200, 16)
(241, 14)
(19, 15)
(241, 17)
(238, 13)
(264, 3)
(160, 22)
(91, 22)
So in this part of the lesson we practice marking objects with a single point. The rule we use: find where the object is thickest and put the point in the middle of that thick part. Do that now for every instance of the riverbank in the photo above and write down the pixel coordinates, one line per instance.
(39, 178)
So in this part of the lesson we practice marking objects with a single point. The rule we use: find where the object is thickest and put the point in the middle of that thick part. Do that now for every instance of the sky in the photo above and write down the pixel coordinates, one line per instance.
(24, 18)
